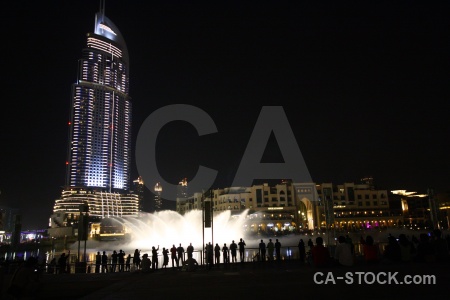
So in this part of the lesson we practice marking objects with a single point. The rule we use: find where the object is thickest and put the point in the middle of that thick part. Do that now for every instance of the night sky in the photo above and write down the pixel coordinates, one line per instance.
(365, 87)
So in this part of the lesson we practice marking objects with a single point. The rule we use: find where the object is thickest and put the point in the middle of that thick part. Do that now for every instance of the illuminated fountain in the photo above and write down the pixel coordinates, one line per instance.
(167, 228)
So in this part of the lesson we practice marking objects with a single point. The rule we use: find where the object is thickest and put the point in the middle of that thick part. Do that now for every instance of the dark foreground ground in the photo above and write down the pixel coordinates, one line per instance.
(288, 279)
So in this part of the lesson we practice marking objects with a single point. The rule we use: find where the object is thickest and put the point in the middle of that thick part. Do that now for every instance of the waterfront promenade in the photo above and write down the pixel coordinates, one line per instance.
(252, 280)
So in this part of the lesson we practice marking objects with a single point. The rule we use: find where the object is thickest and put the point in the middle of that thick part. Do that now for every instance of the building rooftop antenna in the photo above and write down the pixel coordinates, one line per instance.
(102, 8)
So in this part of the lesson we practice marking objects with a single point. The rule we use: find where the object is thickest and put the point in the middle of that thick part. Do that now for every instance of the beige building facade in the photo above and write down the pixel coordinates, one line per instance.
(300, 207)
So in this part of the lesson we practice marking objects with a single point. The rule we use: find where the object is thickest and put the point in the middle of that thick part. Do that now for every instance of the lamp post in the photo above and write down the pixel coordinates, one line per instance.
(325, 210)
(328, 209)
(83, 224)
(433, 209)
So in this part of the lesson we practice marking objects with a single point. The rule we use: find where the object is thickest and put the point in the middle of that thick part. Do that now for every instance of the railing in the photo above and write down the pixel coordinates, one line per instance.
(287, 253)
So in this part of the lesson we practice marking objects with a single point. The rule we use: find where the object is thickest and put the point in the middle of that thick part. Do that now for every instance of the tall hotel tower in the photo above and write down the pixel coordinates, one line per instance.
(99, 150)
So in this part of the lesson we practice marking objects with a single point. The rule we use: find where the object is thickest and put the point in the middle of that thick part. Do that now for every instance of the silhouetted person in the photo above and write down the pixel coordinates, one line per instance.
(25, 280)
(343, 253)
(114, 257)
(180, 253)
(407, 248)
(145, 263)
(155, 258)
(191, 264)
(104, 262)
(270, 248)
(98, 262)
(217, 254)
(278, 250)
(370, 250)
(210, 255)
(415, 241)
(301, 250)
(62, 263)
(226, 254)
(121, 259)
(190, 250)
(165, 253)
(349, 241)
(2, 273)
(128, 263)
(320, 254)
(447, 238)
(233, 250)
(440, 246)
(392, 252)
(241, 245)
(52, 266)
(137, 259)
(310, 244)
(425, 251)
(262, 251)
(173, 256)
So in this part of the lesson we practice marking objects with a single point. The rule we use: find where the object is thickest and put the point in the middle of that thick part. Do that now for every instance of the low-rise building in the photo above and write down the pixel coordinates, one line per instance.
(300, 207)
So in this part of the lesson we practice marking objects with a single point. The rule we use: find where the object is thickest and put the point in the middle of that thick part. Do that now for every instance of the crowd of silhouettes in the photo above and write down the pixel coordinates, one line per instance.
(429, 247)
(269, 252)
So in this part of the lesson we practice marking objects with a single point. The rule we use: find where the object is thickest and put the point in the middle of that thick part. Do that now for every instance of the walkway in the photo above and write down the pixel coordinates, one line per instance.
(287, 279)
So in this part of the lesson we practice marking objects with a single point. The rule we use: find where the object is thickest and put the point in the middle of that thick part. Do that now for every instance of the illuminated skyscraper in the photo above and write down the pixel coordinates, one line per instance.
(100, 125)
(99, 150)
(158, 200)
(139, 190)
(182, 189)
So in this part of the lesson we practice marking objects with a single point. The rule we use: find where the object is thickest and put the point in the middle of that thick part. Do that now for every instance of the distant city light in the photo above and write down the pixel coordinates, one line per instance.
(408, 194)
